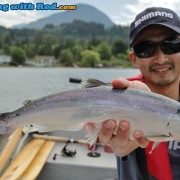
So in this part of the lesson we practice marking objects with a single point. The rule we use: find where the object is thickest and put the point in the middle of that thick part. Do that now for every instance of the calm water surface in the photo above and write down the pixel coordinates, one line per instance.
(20, 84)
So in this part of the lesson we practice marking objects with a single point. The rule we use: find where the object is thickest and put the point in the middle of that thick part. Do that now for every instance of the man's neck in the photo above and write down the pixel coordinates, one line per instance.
(172, 91)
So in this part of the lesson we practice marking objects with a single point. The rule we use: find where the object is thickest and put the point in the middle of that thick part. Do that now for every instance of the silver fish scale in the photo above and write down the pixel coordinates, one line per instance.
(129, 98)
(70, 109)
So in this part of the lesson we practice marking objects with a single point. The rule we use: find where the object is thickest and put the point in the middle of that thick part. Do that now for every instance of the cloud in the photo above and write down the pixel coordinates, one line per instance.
(142, 4)
(133, 9)
(13, 17)
(114, 10)
(120, 11)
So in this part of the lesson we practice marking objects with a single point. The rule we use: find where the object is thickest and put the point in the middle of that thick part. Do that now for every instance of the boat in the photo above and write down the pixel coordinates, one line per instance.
(100, 166)
(75, 161)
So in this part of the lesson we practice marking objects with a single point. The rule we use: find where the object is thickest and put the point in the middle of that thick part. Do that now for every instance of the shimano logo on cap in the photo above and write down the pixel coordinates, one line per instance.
(152, 15)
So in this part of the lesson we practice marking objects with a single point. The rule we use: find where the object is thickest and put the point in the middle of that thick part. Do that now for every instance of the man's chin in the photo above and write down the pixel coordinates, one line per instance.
(164, 81)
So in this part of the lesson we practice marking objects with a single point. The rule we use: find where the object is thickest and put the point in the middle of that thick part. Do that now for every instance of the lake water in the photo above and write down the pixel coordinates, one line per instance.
(20, 84)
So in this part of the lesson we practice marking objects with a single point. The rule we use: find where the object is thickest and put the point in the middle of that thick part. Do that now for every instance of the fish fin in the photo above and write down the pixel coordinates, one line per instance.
(154, 146)
(92, 135)
(160, 138)
(157, 140)
(26, 102)
(29, 128)
(90, 82)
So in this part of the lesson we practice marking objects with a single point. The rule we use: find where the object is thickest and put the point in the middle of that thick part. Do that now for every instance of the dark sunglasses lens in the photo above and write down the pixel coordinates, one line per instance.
(171, 47)
(144, 50)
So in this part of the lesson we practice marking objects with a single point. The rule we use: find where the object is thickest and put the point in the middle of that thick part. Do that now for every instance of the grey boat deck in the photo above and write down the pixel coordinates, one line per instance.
(81, 166)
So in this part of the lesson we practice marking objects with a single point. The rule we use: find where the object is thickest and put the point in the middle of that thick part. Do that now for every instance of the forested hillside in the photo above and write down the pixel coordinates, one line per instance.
(70, 43)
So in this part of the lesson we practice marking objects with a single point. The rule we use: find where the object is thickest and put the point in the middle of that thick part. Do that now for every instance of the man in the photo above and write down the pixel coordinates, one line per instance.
(155, 50)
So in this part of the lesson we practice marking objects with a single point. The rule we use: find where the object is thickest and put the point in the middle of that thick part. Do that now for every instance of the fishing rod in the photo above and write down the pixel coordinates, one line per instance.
(65, 151)
(59, 139)
(75, 80)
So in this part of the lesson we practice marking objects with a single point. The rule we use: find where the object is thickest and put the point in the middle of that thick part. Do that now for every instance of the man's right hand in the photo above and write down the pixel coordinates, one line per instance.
(120, 143)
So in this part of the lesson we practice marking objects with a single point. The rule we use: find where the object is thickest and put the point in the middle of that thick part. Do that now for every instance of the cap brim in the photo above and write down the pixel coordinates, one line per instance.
(176, 29)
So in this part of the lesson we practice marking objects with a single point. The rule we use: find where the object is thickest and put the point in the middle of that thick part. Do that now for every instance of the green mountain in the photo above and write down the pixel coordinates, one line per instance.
(83, 12)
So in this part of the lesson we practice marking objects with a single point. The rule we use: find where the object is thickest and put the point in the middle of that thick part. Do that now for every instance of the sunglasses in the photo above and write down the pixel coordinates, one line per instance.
(147, 49)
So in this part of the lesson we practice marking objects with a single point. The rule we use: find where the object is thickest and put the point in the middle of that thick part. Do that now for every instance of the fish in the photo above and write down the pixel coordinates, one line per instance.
(157, 116)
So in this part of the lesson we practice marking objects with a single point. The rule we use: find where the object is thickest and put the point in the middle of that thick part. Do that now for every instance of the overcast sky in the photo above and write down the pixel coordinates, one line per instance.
(120, 11)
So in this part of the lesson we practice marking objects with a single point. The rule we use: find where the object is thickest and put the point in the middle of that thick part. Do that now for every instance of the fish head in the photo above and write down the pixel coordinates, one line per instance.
(5, 118)
(174, 126)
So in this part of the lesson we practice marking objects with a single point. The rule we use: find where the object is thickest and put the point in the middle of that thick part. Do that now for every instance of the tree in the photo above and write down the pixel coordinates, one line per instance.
(58, 48)
(49, 26)
(6, 49)
(90, 58)
(7, 39)
(94, 41)
(39, 37)
(45, 49)
(66, 57)
(118, 47)
(76, 50)
(30, 51)
(104, 50)
(18, 56)
(82, 29)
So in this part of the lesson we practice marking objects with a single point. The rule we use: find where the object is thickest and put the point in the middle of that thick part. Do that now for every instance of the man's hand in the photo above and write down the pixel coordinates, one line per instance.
(120, 143)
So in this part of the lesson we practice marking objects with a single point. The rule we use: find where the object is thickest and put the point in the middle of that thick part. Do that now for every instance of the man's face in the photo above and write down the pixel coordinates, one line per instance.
(160, 68)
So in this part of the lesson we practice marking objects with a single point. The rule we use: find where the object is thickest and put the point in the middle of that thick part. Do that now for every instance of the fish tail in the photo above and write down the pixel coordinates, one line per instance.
(90, 82)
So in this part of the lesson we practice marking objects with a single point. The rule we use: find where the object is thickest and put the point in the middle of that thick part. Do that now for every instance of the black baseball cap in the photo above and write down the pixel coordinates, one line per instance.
(154, 16)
